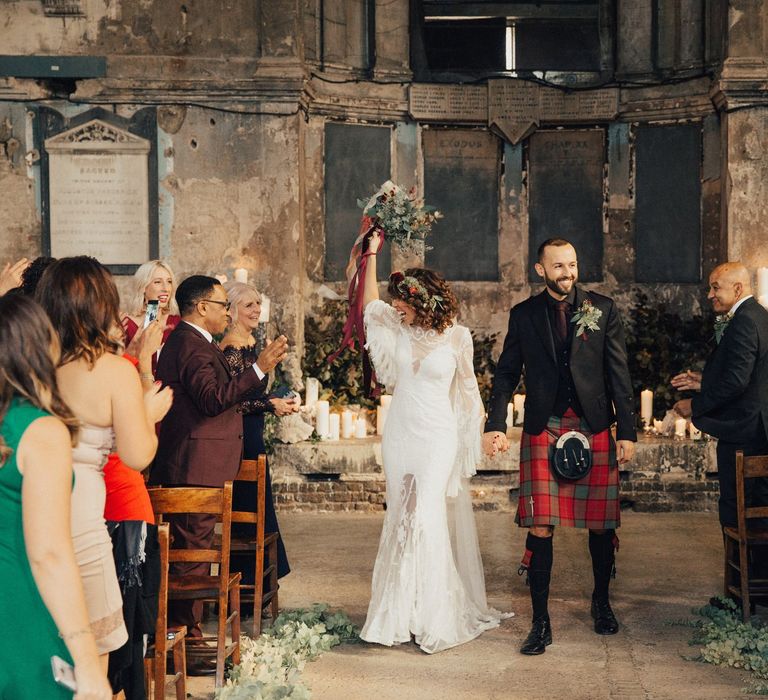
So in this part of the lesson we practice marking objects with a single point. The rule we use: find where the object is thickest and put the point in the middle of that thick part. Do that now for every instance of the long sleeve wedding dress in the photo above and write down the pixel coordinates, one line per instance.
(428, 577)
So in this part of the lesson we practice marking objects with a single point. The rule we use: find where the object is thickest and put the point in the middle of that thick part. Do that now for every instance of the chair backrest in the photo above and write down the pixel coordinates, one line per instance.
(749, 468)
(197, 500)
(254, 470)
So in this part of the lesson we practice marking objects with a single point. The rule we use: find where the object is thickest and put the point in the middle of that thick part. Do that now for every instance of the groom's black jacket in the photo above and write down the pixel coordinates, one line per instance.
(598, 363)
(733, 402)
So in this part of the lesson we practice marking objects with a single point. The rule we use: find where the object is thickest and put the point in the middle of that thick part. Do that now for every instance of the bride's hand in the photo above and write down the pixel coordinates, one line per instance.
(374, 242)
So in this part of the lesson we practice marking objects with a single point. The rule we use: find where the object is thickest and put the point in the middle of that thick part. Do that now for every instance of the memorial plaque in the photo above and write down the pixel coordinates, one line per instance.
(513, 108)
(461, 179)
(584, 106)
(566, 195)
(98, 183)
(453, 103)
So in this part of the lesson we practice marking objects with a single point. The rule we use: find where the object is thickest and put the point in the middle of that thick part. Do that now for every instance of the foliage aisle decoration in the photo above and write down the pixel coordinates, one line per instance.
(270, 667)
(725, 640)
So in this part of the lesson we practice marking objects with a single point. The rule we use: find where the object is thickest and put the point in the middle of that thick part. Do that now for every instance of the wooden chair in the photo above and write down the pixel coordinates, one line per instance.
(739, 539)
(223, 587)
(256, 471)
(156, 659)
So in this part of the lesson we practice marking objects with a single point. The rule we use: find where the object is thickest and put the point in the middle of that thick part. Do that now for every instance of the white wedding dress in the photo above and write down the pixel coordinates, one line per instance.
(428, 578)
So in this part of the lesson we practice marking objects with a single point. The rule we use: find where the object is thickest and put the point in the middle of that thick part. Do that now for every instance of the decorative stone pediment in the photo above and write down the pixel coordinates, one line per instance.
(97, 135)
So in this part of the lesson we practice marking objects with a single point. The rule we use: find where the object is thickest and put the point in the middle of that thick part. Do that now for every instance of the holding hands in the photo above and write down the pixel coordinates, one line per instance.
(494, 442)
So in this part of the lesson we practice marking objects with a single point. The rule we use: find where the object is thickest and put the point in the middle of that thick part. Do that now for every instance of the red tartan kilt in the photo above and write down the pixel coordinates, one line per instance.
(591, 502)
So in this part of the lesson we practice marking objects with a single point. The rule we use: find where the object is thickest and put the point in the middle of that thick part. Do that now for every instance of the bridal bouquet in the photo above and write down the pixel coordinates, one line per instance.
(403, 219)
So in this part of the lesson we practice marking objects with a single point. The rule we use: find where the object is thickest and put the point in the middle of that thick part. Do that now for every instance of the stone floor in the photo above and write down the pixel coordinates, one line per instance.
(668, 564)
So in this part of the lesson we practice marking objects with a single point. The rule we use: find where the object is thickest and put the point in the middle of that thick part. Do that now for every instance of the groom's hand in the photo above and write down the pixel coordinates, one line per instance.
(493, 442)
(626, 450)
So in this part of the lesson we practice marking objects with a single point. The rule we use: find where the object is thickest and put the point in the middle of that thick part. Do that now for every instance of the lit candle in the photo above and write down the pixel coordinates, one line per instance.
(680, 424)
(241, 275)
(381, 413)
(361, 428)
(694, 432)
(347, 424)
(510, 415)
(646, 406)
(322, 423)
(334, 422)
(312, 392)
(658, 426)
(265, 307)
(519, 402)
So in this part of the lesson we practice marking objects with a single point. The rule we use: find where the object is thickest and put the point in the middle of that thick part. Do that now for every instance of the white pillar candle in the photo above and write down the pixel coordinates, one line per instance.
(241, 275)
(658, 426)
(361, 428)
(762, 282)
(322, 415)
(312, 392)
(347, 424)
(221, 278)
(646, 406)
(519, 402)
(694, 432)
(510, 414)
(680, 424)
(334, 423)
(265, 307)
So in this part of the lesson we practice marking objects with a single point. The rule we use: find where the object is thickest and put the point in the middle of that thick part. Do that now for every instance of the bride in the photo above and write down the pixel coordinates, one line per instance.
(428, 577)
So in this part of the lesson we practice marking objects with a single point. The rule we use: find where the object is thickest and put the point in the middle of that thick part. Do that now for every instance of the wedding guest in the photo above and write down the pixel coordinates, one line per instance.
(731, 399)
(105, 394)
(10, 277)
(201, 437)
(153, 281)
(239, 346)
(42, 604)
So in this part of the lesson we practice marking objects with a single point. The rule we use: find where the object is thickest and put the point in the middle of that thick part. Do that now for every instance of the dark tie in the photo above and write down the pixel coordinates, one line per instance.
(561, 320)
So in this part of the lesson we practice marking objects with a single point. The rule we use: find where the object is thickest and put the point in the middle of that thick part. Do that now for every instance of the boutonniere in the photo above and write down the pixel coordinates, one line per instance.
(586, 318)
(721, 323)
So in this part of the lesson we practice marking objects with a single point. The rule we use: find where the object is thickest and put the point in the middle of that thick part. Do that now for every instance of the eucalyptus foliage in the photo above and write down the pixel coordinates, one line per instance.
(270, 667)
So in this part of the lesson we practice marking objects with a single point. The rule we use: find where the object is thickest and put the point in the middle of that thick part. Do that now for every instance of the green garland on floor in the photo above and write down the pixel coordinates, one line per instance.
(726, 641)
(270, 667)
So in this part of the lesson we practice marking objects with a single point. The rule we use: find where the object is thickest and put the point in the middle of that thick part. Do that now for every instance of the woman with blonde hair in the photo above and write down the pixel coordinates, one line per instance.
(240, 350)
(153, 281)
(104, 392)
(42, 604)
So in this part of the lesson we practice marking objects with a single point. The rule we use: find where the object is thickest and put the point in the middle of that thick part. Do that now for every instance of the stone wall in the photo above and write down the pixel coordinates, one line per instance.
(665, 475)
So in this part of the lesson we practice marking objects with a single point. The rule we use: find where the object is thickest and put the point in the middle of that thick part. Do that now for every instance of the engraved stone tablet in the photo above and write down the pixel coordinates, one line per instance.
(99, 201)
(454, 103)
(513, 108)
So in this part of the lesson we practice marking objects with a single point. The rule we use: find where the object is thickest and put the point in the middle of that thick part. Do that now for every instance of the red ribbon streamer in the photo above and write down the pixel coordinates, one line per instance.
(354, 328)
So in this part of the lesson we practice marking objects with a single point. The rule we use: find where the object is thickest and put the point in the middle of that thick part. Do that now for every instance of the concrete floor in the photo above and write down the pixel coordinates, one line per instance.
(668, 564)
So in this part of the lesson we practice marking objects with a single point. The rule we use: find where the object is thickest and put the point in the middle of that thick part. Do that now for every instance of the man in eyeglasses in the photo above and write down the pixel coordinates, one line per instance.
(200, 441)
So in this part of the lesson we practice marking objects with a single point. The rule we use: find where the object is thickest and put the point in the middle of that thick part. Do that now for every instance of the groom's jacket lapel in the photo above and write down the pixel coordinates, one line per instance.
(541, 323)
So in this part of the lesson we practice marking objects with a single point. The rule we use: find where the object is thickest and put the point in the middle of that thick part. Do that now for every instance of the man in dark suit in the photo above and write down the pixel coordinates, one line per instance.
(200, 441)
(571, 344)
(732, 399)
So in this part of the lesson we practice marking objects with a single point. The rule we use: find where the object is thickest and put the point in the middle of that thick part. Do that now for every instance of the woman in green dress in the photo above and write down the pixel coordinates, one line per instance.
(42, 605)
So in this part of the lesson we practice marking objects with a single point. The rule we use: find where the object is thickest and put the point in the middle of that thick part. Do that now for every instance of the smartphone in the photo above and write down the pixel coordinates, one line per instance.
(151, 313)
(63, 673)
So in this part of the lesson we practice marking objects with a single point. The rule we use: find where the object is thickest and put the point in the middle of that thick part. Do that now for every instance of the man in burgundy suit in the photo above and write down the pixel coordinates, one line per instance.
(200, 441)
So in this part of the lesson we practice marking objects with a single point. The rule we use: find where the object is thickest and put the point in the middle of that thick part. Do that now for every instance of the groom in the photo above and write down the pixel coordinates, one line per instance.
(571, 344)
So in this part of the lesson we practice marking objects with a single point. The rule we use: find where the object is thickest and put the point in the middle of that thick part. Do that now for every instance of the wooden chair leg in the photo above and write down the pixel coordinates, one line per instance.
(726, 567)
(235, 597)
(221, 641)
(258, 589)
(160, 665)
(180, 667)
(148, 673)
(273, 585)
(744, 573)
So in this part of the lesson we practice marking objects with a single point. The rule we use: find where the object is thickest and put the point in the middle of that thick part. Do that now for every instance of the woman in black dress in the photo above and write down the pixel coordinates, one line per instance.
(240, 349)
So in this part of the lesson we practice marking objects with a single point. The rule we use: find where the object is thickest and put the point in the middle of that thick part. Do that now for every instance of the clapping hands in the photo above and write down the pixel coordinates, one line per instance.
(272, 355)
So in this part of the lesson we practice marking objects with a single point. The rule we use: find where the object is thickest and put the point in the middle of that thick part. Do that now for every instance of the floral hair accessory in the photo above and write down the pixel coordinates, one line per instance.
(414, 292)
(586, 318)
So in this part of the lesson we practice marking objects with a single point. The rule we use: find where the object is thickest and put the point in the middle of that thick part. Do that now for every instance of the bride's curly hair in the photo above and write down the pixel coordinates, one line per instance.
(428, 294)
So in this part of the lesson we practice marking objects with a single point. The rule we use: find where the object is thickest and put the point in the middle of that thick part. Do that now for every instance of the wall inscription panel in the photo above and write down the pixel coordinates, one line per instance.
(98, 194)
(460, 103)
(566, 195)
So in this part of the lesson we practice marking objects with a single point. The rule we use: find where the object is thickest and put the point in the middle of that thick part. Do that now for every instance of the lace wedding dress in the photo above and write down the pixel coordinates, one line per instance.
(428, 578)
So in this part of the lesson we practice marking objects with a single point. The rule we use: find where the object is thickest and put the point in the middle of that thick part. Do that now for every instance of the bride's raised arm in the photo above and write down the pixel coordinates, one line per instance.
(370, 284)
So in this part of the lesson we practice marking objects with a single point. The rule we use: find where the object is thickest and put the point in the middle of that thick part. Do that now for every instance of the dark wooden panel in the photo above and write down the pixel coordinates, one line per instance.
(461, 178)
(357, 162)
(668, 203)
(566, 195)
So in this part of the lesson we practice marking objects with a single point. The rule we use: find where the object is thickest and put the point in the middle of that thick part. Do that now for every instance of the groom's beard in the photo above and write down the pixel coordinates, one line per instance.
(556, 285)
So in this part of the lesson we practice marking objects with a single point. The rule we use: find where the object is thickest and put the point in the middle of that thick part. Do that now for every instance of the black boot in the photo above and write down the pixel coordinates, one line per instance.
(539, 574)
(601, 547)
